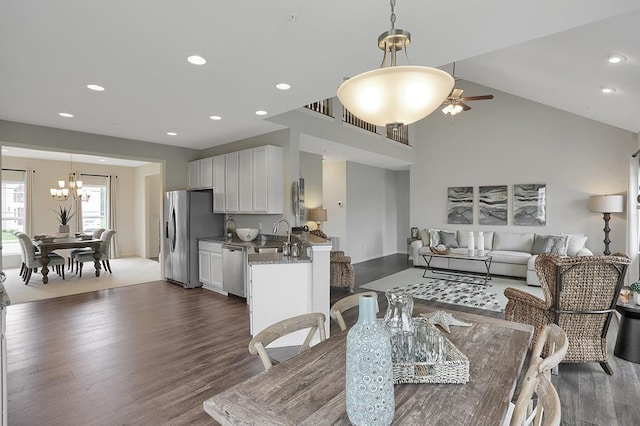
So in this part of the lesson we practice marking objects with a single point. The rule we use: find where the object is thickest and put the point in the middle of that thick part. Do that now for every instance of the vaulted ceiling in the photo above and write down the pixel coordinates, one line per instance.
(547, 51)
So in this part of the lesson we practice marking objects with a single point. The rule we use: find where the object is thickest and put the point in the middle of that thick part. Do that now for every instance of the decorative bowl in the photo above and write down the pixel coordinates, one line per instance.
(247, 234)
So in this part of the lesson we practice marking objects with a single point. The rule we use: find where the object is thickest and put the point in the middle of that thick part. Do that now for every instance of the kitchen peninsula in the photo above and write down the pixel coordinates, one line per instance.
(279, 286)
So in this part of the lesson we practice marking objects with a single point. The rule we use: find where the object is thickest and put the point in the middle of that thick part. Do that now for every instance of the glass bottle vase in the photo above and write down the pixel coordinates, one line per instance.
(369, 371)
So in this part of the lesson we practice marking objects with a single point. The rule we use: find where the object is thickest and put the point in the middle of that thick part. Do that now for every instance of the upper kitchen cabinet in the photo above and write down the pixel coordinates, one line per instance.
(201, 173)
(231, 195)
(268, 180)
(245, 181)
(219, 185)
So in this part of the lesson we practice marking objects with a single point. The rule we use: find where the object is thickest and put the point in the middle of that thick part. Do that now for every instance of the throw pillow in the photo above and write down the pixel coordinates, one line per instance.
(449, 239)
(575, 244)
(434, 237)
(541, 244)
(424, 236)
(559, 244)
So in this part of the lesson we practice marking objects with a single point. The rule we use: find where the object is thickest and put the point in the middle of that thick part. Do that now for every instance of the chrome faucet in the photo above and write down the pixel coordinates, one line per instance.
(277, 225)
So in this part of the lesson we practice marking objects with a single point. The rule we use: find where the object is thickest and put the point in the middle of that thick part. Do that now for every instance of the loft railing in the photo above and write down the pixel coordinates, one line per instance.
(399, 134)
(324, 107)
(348, 117)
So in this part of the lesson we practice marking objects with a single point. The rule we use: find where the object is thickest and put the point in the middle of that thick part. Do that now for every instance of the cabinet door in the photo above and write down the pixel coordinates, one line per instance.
(216, 269)
(206, 172)
(194, 174)
(268, 180)
(219, 184)
(260, 179)
(231, 182)
(204, 266)
(245, 181)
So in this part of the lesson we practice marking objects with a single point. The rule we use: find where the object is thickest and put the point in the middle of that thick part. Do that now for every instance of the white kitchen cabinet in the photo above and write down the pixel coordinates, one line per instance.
(210, 265)
(268, 180)
(201, 173)
(277, 292)
(219, 205)
(231, 182)
(245, 181)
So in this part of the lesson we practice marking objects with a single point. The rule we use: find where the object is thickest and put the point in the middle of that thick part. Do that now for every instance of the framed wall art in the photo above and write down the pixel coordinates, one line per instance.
(460, 204)
(530, 204)
(492, 205)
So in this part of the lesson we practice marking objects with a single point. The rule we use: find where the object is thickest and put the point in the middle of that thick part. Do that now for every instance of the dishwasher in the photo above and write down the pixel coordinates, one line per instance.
(233, 269)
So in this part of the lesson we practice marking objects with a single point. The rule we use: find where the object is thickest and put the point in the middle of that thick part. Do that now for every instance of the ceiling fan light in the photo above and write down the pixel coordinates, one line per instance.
(452, 109)
(399, 94)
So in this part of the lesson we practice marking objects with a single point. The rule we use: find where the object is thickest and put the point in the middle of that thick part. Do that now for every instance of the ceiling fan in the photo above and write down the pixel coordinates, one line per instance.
(455, 103)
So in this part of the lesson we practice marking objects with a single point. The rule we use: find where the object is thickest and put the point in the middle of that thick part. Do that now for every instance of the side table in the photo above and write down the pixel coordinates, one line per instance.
(628, 340)
(409, 241)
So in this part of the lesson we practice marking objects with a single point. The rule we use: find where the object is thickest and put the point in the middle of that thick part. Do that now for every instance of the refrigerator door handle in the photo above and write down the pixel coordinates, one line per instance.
(173, 227)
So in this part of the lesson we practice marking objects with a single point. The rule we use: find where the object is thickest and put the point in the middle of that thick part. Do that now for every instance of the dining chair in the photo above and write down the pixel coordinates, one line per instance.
(313, 321)
(580, 295)
(32, 261)
(347, 303)
(341, 272)
(95, 234)
(104, 251)
(554, 342)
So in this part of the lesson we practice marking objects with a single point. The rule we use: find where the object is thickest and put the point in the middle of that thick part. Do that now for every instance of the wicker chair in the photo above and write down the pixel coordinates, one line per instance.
(587, 288)
(347, 303)
(341, 271)
(313, 321)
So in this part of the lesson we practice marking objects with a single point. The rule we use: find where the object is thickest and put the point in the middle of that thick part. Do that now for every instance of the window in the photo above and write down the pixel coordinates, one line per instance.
(14, 187)
(95, 202)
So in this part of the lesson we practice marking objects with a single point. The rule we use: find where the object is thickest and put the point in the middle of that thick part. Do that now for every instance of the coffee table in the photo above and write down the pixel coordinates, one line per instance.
(486, 259)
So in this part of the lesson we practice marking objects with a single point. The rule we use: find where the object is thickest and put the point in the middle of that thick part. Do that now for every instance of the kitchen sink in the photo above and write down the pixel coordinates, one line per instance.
(268, 249)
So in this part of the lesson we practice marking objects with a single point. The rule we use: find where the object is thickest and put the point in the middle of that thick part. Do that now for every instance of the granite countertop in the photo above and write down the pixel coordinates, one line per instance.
(275, 258)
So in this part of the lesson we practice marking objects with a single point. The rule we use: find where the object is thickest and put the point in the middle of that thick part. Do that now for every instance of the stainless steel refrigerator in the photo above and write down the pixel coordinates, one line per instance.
(188, 215)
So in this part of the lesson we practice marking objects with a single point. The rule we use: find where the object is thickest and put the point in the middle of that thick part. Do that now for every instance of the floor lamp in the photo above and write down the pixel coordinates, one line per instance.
(606, 204)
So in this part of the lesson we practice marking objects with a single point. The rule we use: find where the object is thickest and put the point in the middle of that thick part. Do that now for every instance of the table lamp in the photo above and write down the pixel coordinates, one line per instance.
(606, 204)
(317, 216)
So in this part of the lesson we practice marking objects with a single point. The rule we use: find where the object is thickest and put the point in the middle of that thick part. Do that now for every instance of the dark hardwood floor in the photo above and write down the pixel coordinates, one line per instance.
(150, 354)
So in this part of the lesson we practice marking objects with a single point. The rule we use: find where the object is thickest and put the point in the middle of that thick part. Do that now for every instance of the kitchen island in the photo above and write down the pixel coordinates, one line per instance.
(279, 287)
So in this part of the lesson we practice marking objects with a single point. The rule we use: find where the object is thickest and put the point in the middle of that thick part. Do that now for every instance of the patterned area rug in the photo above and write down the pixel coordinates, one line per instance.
(454, 289)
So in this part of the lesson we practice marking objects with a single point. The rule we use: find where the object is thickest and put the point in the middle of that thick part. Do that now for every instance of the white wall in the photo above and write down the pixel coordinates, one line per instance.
(148, 208)
(509, 140)
(311, 171)
(404, 200)
(334, 195)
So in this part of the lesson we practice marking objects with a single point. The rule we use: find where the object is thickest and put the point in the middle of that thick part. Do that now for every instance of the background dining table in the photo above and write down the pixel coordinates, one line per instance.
(66, 244)
(309, 389)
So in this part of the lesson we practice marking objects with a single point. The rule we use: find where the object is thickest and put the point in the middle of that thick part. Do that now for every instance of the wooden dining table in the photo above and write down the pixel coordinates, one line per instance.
(309, 389)
(66, 243)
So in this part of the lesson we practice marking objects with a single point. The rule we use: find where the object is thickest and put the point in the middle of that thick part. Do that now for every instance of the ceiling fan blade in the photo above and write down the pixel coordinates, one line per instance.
(477, 98)
(464, 106)
(455, 93)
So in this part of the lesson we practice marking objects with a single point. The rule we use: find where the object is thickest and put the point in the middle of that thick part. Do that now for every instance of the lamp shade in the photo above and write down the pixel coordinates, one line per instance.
(395, 95)
(606, 203)
(317, 215)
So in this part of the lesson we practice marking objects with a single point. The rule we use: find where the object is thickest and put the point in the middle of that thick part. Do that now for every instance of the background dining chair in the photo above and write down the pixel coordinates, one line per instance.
(32, 261)
(347, 303)
(313, 321)
(95, 234)
(341, 272)
(554, 342)
(105, 249)
(580, 294)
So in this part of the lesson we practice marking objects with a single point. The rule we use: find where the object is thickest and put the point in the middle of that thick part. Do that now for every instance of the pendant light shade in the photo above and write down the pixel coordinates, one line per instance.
(395, 95)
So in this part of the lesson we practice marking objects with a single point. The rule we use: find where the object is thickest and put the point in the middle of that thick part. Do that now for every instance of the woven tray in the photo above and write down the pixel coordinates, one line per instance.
(454, 370)
(436, 251)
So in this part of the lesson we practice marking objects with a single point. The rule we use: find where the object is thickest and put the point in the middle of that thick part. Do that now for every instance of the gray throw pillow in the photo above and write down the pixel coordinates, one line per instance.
(449, 239)
(542, 244)
(560, 244)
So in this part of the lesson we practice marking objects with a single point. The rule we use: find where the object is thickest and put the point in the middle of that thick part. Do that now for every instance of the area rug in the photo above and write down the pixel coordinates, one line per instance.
(454, 289)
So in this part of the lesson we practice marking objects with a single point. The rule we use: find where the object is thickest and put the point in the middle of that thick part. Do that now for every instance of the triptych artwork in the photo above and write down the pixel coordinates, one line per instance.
(528, 205)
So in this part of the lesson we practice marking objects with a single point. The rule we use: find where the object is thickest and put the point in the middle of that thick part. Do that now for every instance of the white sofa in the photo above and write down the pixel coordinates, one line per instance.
(511, 253)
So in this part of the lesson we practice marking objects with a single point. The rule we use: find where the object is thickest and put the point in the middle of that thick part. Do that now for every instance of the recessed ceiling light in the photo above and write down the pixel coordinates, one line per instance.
(65, 114)
(616, 59)
(261, 112)
(215, 117)
(102, 160)
(283, 86)
(172, 134)
(5, 150)
(608, 89)
(95, 87)
(197, 60)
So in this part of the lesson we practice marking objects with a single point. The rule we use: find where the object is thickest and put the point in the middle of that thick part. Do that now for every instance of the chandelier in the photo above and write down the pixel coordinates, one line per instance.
(71, 188)
(395, 95)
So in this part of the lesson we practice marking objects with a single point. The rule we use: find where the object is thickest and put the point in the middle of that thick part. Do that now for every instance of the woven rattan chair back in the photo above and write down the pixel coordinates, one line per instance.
(583, 292)
(347, 303)
(313, 321)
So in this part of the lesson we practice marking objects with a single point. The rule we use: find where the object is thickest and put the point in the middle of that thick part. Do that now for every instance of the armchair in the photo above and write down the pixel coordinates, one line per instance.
(341, 271)
(580, 294)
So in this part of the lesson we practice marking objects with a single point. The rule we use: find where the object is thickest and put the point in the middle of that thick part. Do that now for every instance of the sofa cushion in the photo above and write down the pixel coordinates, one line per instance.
(511, 241)
(510, 256)
(575, 244)
(449, 239)
(556, 244)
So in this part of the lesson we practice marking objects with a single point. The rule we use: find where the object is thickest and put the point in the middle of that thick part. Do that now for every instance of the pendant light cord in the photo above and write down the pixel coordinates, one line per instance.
(393, 14)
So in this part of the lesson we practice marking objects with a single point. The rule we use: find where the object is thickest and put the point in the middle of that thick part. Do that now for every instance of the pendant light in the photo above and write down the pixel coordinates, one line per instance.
(395, 95)
(72, 188)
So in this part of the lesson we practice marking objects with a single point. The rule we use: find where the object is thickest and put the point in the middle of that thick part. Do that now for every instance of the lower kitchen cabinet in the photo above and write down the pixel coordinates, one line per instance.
(210, 265)
(277, 292)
